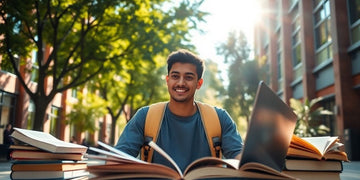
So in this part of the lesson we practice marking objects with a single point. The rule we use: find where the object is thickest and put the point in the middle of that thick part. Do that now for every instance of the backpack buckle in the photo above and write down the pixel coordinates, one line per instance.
(147, 147)
(217, 145)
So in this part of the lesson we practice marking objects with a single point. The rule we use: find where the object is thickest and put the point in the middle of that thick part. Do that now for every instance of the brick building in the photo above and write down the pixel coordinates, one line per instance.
(17, 108)
(312, 48)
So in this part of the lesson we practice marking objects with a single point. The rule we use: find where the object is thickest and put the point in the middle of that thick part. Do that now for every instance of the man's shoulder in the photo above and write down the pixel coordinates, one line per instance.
(145, 109)
(217, 108)
(221, 112)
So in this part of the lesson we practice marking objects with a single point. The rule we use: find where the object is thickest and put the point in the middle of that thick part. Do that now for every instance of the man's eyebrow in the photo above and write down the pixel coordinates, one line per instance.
(187, 73)
(190, 73)
(174, 72)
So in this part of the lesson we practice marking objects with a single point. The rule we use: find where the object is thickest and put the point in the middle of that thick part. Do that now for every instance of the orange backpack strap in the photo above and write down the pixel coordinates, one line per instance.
(151, 130)
(212, 127)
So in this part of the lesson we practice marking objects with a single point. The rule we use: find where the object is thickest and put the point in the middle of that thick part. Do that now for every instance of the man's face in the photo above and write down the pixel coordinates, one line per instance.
(182, 82)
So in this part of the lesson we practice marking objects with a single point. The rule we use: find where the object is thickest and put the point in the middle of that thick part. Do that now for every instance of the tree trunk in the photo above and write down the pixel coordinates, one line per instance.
(113, 127)
(40, 112)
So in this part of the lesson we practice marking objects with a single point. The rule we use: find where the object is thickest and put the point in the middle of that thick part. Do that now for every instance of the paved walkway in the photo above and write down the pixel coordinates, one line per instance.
(351, 170)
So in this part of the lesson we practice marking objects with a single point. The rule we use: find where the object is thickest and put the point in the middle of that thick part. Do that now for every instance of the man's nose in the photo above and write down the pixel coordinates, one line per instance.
(181, 80)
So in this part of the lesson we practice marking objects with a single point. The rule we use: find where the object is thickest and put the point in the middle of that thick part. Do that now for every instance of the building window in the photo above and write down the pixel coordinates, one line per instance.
(354, 13)
(296, 43)
(293, 2)
(7, 108)
(278, 14)
(74, 93)
(329, 120)
(278, 59)
(31, 115)
(54, 118)
(279, 62)
(34, 67)
(323, 49)
(354, 21)
(355, 58)
(267, 65)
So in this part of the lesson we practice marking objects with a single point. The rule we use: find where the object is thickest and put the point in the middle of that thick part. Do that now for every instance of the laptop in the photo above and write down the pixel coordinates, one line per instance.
(271, 127)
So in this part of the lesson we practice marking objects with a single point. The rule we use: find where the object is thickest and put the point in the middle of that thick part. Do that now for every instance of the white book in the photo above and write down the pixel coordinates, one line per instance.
(46, 141)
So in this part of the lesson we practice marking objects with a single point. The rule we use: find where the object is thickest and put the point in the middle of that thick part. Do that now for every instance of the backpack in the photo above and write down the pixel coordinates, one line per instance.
(154, 119)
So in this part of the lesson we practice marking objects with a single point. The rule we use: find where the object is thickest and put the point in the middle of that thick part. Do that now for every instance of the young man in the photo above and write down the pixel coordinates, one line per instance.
(181, 134)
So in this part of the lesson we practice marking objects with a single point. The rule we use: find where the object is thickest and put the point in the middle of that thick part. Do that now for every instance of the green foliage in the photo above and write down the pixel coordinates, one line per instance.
(90, 38)
(85, 112)
(309, 115)
(212, 89)
(244, 75)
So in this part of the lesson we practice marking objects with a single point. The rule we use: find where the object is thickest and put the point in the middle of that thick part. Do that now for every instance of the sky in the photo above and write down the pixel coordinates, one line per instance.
(225, 16)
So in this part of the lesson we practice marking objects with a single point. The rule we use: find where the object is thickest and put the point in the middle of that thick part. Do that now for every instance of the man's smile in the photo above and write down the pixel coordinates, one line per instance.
(181, 90)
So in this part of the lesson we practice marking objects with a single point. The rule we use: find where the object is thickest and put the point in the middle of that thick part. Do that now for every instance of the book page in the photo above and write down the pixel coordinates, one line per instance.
(163, 153)
(115, 155)
(322, 143)
(335, 147)
(221, 173)
(133, 170)
(122, 154)
(212, 161)
(336, 155)
(297, 142)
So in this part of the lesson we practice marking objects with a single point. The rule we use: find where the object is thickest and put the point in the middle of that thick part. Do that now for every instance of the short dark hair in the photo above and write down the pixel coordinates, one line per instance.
(186, 56)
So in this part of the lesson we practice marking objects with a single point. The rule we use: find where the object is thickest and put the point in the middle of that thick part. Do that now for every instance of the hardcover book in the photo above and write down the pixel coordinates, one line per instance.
(311, 175)
(47, 165)
(48, 174)
(313, 165)
(43, 155)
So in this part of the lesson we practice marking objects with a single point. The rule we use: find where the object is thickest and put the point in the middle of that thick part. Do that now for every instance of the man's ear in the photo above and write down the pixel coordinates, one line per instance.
(199, 83)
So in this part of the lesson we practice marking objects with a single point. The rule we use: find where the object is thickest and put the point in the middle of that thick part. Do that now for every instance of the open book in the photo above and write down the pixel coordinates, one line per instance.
(123, 166)
(46, 141)
(323, 147)
(271, 126)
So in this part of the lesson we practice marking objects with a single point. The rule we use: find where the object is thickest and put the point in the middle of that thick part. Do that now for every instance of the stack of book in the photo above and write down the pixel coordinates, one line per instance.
(315, 158)
(40, 155)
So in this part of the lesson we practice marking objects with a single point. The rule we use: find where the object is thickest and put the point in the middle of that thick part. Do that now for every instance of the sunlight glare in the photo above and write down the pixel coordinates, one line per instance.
(225, 16)
(249, 13)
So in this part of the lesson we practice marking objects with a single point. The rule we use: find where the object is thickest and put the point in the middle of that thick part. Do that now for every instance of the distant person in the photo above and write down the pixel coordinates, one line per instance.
(8, 140)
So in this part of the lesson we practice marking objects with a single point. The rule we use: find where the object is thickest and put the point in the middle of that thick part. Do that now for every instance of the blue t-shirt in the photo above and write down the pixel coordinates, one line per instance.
(183, 138)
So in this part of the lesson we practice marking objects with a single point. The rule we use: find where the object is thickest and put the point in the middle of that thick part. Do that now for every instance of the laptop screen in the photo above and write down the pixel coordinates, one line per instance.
(271, 127)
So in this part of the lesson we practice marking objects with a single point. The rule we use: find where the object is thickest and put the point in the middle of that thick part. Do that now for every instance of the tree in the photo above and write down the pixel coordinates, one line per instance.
(212, 90)
(244, 75)
(75, 31)
(84, 115)
(85, 37)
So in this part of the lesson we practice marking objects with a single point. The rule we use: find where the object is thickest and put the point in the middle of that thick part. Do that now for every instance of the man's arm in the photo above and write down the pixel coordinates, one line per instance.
(132, 138)
(232, 143)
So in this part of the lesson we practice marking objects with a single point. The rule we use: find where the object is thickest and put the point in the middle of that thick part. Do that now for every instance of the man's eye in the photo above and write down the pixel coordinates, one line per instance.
(174, 76)
(189, 78)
